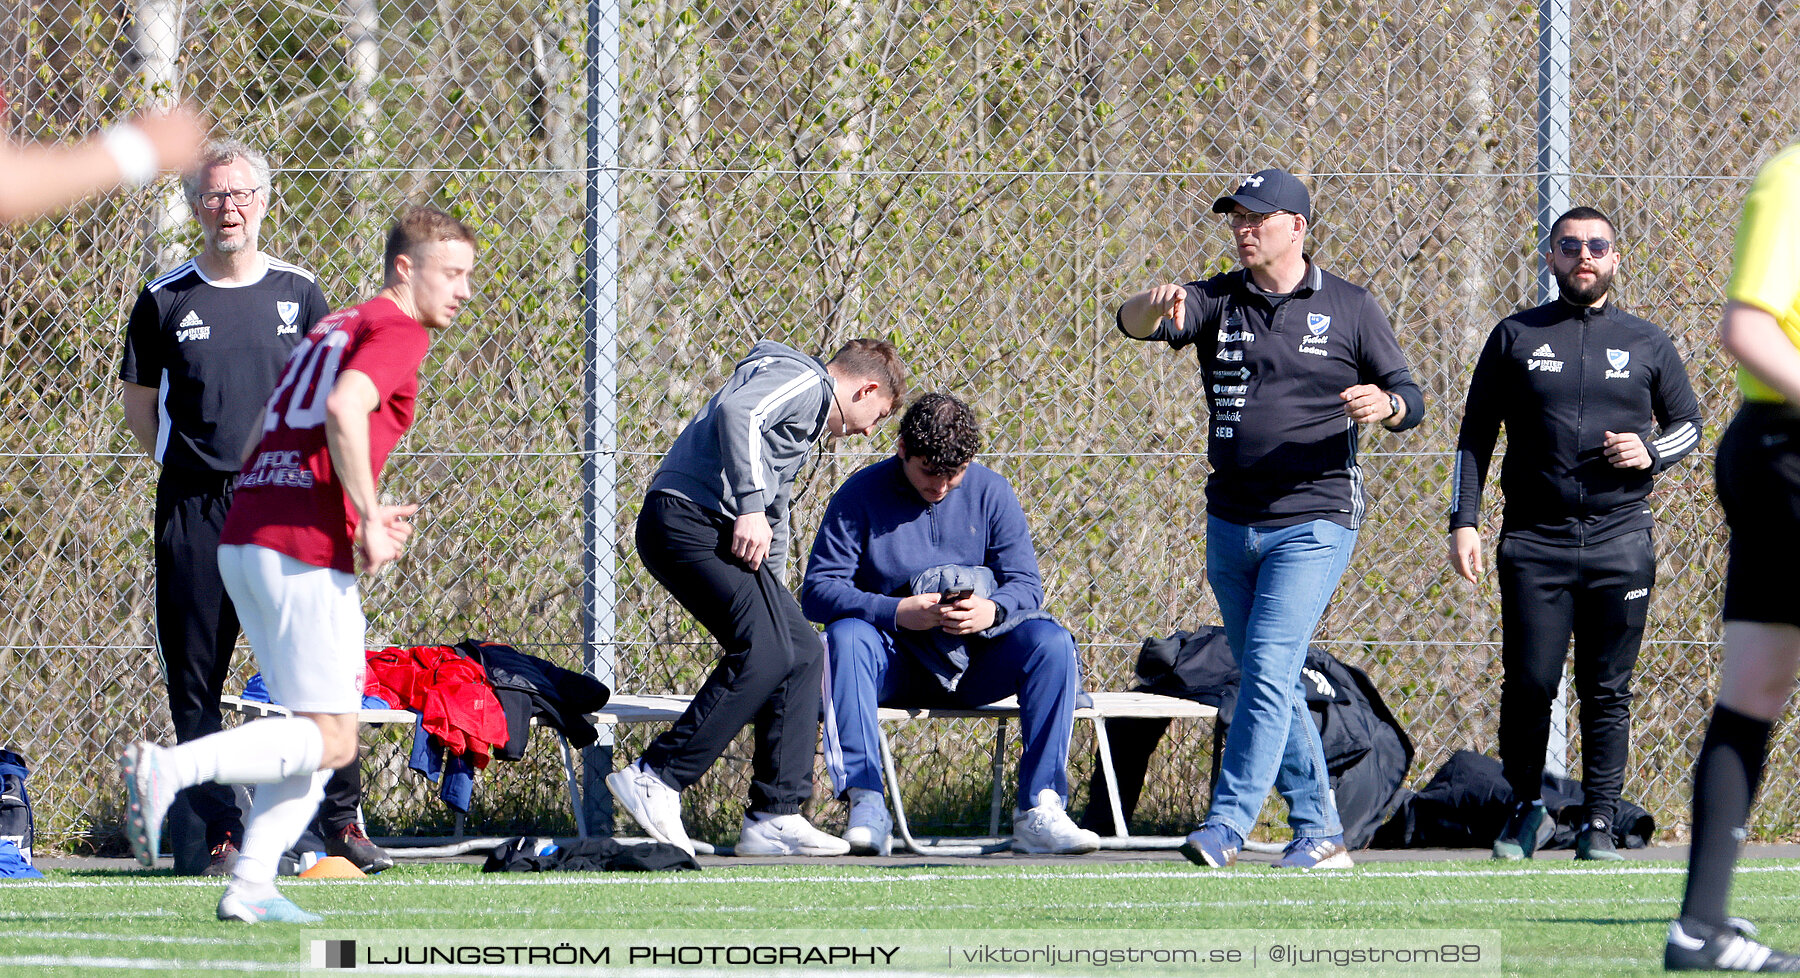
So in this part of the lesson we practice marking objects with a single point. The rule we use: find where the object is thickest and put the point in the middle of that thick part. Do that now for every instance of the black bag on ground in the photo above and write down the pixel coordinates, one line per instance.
(1466, 803)
(528, 855)
(1367, 753)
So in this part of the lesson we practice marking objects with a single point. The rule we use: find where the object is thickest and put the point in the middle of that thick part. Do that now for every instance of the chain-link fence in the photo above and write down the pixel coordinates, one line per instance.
(981, 182)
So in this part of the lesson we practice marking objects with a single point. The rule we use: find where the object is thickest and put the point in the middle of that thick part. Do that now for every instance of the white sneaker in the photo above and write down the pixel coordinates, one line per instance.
(787, 835)
(1047, 829)
(149, 791)
(871, 831)
(653, 804)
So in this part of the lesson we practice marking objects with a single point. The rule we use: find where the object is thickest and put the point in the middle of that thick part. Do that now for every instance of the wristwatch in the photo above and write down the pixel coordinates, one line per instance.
(1393, 404)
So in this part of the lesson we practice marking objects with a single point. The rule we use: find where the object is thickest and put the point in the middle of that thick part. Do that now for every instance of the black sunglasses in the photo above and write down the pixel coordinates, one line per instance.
(1571, 247)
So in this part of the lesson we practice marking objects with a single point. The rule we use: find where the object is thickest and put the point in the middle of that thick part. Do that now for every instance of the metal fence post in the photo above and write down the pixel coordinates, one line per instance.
(599, 296)
(158, 47)
(1553, 199)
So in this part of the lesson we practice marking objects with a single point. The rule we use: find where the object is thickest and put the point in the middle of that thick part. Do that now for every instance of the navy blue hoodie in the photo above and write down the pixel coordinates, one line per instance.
(878, 533)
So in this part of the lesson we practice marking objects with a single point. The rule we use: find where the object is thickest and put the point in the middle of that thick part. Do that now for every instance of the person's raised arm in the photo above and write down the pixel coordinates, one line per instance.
(37, 178)
(1141, 313)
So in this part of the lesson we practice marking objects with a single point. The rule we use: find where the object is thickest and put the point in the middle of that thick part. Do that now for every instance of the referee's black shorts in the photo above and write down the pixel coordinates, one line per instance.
(1758, 480)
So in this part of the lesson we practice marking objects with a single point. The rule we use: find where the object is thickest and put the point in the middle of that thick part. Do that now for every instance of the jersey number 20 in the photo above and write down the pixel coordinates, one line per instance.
(311, 373)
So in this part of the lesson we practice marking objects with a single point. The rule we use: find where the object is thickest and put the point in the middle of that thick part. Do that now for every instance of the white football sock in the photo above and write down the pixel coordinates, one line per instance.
(259, 752)
(279, 814)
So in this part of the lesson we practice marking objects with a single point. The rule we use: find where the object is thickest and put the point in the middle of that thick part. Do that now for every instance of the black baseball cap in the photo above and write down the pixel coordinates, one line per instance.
(1267, 191)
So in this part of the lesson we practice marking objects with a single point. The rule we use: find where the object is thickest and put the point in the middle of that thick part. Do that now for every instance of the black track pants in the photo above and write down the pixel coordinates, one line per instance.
(769, 674)
(1598, 594)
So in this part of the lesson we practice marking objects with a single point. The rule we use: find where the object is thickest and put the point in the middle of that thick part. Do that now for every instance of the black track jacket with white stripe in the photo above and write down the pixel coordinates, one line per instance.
(1560, 376)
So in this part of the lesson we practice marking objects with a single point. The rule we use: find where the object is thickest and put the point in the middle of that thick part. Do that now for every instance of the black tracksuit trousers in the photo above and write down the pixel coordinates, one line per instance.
(196, 625)
(1598, 594)
(771, 671)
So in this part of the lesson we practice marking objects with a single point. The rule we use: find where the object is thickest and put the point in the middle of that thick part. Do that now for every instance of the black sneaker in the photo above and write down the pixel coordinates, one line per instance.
(1595, 841)
(1730, 949)
(1528, 827)
(223, 861)
(353, 844)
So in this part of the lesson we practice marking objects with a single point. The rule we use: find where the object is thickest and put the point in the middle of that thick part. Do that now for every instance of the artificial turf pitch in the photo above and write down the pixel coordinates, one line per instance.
(1550, 918)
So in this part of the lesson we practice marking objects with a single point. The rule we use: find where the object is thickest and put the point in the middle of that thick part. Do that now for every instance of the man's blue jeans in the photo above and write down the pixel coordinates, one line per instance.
(1035, 661)
(1272, 584)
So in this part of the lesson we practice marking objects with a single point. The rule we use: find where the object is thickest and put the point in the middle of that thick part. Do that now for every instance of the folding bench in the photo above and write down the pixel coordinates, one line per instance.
(255, 709)
(1102, 707)
(619, 710)
(625, 709)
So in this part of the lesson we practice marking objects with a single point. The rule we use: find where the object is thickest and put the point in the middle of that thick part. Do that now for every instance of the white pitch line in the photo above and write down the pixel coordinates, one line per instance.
(625, 912)
(48, 935)
(82, 915)
(46, 916)
(151, 964)
(1593, 965)
(684, 879)
(146, 964)
(1670, 901)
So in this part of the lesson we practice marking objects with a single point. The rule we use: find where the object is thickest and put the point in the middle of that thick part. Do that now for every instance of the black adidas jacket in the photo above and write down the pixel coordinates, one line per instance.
(1560, 376)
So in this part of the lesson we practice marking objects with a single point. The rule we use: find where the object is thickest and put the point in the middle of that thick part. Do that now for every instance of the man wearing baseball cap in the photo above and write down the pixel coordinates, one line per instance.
(1294, 360)
(1268, 191)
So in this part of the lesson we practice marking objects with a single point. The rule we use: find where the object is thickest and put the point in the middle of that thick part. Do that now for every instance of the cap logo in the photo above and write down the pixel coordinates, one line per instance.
(1256, 181)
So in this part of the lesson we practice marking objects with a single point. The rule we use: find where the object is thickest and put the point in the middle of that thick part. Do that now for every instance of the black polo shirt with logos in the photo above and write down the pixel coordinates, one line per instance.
(215, 352)
(1282, 450)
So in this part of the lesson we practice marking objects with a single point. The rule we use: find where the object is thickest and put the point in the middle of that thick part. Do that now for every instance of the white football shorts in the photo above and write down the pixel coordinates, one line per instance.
(305, 624)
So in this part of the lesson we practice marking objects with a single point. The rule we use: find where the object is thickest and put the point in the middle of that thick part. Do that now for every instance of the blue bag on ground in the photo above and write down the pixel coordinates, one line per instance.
(16, 825)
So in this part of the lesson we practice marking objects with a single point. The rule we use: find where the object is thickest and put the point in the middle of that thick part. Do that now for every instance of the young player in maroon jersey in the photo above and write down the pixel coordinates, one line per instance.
(305, 509)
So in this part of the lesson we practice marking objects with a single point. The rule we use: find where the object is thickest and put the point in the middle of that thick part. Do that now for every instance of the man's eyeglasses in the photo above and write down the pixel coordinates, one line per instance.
(215, 200)
(1250, 219)
(1571, 247)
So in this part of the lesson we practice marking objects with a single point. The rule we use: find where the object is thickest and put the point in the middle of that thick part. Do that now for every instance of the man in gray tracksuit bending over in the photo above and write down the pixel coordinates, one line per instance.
(714, 531)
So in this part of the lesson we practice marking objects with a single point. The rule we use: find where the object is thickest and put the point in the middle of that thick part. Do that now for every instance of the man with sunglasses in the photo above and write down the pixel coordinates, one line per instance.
(924, 576)
(1295, 360)
(204, 347)
(1595, 402)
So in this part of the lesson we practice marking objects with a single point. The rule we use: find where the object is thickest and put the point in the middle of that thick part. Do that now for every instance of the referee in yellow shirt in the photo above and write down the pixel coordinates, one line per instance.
(1758, 478)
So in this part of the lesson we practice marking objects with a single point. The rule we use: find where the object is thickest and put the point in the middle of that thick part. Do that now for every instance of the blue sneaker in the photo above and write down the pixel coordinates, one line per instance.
(1308, 853)
(277, 908)
(1213, 844)
(149, 791)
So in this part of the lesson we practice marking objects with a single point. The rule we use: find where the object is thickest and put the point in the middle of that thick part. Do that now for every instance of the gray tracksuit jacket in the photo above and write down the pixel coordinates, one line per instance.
(741, 454)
